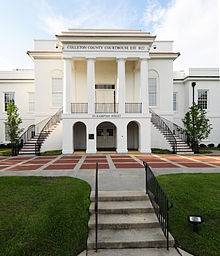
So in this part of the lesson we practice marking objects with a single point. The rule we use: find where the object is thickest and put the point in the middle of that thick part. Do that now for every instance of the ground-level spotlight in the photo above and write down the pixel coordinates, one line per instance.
(195, 220)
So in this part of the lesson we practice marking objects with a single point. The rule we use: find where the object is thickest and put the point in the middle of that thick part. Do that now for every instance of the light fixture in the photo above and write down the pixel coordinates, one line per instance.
(195, 220)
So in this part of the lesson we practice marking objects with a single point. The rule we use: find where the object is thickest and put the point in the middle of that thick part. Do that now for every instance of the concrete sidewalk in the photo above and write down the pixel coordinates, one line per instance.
(116, 179)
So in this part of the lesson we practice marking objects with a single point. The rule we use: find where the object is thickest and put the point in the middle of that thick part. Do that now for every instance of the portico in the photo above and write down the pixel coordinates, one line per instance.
(105, 80)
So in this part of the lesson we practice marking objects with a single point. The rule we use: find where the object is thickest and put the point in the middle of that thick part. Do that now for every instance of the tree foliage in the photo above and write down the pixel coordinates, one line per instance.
(196, 124)
(13, 122)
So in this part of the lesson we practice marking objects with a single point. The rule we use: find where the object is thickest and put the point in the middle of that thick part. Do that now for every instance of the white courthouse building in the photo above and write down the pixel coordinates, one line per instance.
(109, 84)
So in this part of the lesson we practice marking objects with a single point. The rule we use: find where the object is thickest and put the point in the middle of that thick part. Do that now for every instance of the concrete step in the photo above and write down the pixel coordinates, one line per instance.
(185, 153)
(120, 207)
(125, 221)
(119, 196)
(132, 252)
(132, 238)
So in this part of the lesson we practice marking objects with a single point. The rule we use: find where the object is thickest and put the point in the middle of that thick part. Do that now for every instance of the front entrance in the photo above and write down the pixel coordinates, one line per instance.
(132, 136)
(79, 136)
(106, 137)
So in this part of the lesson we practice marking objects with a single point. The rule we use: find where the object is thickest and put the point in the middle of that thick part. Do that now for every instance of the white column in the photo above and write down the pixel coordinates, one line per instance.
(121, 86)
(144, 85)
(91, 143)
(67, 136)
(122, 137)
(145, 135)
(66, 86)
(91, 85)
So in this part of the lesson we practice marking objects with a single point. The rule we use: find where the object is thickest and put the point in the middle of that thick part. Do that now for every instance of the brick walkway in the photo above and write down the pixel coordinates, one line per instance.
(88, 162)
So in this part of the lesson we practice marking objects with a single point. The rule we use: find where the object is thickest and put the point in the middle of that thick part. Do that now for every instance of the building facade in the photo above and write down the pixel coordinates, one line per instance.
(106, 81)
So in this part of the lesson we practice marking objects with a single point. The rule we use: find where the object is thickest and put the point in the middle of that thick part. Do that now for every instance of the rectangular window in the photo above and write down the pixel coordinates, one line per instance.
(57, 92)
(100, 132)
(105, 86)
(9, 97)
(7, 138)
(203, 98)
(31, 101)
(152, 90)
(174, 101)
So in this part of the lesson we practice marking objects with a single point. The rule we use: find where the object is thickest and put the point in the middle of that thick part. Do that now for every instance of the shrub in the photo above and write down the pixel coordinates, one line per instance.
(211, 145)
(218, 145)
(5, 145)
(202, 145)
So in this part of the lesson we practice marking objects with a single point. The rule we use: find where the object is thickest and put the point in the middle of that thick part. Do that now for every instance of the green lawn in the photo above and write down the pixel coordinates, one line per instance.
(161, 151)
(51, 153)
(197, 194)
(43, 215)
(5, 151)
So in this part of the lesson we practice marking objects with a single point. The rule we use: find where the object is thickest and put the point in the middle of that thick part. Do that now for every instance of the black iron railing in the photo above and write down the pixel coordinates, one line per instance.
(30, 133)
(179, 131)
(106, 107)
(159, 200)
(79, 107)
(46, 129)
(161, 124)
(26, 136)
(96, 207)
(133, 107)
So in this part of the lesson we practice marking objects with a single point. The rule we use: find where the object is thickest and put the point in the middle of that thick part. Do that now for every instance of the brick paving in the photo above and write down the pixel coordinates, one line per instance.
(106, 162)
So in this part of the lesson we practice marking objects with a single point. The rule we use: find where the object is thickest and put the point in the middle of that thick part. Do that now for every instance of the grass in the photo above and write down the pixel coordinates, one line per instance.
(51, 153)
(207, 150)
(42, 216)
(204, 151)
(194, 194)
(161, 151)
(5, 151)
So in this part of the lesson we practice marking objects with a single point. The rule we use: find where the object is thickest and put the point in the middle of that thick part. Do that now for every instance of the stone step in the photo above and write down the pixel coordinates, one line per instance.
(132, 252)
(186, 153)
(119, 196)
(132, 238)
(125, 221)
(120, 207)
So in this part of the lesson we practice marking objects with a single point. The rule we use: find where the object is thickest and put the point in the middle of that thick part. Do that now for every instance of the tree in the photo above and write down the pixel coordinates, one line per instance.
(13, 122)
(196, 125)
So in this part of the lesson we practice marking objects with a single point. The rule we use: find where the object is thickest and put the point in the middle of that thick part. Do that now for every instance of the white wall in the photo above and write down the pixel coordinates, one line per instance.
(21, 82)
(207, 79)
(54, 140)
(44, 70)
(158, 140)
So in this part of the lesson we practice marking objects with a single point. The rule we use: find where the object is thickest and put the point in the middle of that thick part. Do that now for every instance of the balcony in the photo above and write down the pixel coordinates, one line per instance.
(133, 107)
(106, 107)
(79, 107)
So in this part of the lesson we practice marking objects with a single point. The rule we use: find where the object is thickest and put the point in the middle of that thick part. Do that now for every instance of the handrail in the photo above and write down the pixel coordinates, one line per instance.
(179, 131)
(96, 208)
(159, 200)
(31, 131)
(160, 122)
(26, 136)
(45, 130)
(106, 107)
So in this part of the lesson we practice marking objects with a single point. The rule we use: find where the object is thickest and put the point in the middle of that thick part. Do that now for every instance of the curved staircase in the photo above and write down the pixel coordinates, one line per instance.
(30, 141)
(174, 134)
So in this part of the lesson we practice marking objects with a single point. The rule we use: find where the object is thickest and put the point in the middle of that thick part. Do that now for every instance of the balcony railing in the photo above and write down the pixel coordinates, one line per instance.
(106, 107)
(133, 107)
(79, 107)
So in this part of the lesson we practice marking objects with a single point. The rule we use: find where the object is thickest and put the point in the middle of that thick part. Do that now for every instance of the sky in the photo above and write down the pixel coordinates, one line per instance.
(193, 25)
